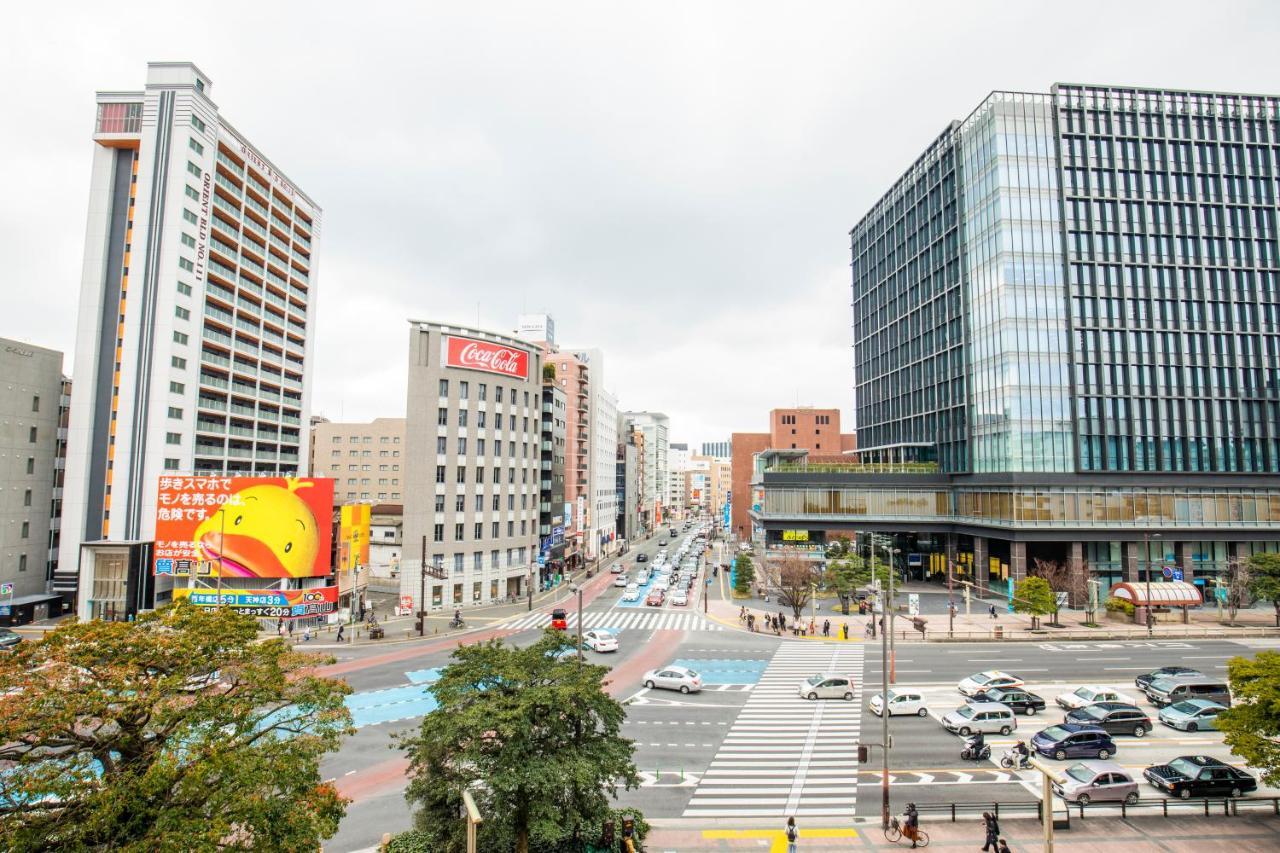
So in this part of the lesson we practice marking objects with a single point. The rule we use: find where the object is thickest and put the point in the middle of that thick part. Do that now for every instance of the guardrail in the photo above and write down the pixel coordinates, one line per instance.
(1208, 806)
(853, 468)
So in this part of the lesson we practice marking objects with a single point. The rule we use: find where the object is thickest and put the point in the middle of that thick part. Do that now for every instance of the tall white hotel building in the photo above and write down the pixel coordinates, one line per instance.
(196, 318)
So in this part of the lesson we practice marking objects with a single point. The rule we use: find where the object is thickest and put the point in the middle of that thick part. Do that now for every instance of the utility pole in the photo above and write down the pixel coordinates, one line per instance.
(436, 573)
(884, 716)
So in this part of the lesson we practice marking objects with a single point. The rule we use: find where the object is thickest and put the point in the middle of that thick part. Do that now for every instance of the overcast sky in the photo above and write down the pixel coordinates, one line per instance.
(674, 183)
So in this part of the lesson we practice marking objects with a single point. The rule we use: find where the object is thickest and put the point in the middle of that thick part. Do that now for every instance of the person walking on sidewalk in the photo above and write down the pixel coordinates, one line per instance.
(992, 611)
(1004, 847)
(340, 630)
(844, 631)
(992, 827)
(826, 627)
(793, 835)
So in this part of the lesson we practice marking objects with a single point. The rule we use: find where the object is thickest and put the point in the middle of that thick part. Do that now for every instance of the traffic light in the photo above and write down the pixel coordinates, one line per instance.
(918, 623)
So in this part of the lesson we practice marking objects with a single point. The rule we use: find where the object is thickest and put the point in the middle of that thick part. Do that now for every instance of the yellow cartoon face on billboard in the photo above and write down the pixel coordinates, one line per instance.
(265, 530)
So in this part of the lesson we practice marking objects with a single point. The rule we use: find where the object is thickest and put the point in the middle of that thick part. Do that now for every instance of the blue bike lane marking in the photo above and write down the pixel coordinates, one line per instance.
(726, 670)
(373, 707)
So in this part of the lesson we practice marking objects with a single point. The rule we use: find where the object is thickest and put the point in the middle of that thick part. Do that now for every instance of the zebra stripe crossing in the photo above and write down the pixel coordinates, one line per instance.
(620, 621)
(786, 755)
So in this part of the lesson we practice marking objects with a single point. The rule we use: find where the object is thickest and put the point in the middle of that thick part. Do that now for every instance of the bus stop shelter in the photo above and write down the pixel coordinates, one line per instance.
(1161, 594)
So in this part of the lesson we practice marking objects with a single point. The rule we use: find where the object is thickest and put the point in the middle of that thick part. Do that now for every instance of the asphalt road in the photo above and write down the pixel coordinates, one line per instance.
(749, 748)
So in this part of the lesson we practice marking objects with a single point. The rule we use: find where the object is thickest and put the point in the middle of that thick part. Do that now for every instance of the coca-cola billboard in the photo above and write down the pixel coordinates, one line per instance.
(490, 357)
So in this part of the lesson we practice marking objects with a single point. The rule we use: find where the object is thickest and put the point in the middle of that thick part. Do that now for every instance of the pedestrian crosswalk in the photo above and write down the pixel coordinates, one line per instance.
(787, 755)
(652, 620)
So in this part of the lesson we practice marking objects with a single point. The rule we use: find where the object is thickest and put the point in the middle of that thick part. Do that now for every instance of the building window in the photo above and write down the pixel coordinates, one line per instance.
(26, 529)
(462, 445)
(439, 473)
(464, 390)
(496, 504)
(190, 217)
(496, 530)
(31, 464)
(480, 419)
(196, 122)
(173, 438)
(479, 474)
(459, 503)
(26, 498)
(444, 387)
(442, 416)
(177, 387)
(170, 464)
(33, 435)
(184, 289)
(462, 474)
(195, 146)
(22, 562)
(457, 563)
(484, 392)
(511, 529)
(35, 403)
(191, 194)
(442, 444)
(479, 503)
(437, 533)
(175, 413)
(462, 417)
(181, 313)
(180, 337)
(337, 439)
(497, 393)
(194, 169)
(480, 447)
(178, 362)
(477, 560)
(439, 503)
(479, 530)
(457, 532)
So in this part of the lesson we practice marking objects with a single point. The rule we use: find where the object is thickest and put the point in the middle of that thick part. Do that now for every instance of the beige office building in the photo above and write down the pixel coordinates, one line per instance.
(365, 460)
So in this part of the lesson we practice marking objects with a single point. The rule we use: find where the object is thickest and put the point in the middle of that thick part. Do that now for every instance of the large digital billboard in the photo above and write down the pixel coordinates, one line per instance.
(244, 527)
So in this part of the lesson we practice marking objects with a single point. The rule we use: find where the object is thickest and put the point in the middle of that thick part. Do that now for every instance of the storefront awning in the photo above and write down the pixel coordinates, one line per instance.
(1163, 594)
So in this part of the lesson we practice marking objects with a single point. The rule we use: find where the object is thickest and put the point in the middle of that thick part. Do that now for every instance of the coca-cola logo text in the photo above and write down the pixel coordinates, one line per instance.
(491, 358)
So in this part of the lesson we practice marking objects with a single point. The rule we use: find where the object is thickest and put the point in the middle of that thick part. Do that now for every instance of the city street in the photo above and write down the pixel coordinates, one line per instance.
(748, 750)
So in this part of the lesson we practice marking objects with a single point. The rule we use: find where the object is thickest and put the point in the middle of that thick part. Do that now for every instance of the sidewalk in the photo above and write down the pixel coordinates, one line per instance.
(1252, 832)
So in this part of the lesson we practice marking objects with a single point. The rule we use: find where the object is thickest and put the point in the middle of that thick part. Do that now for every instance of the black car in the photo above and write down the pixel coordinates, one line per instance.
(9, 640)
(642, 558)
(1117, 718)
(1199, 776)
(1143, 681)
(1018, 700)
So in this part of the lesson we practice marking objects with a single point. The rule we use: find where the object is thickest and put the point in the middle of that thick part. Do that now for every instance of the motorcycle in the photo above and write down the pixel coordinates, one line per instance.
(973, 752)
(1011, 760)
(457, 623)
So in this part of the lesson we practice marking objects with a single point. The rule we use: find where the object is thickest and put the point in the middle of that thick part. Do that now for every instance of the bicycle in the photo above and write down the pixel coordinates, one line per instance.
(893, 832)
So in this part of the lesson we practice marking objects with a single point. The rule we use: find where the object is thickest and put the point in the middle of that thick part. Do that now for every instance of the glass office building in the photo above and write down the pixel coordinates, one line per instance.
(1070, 305)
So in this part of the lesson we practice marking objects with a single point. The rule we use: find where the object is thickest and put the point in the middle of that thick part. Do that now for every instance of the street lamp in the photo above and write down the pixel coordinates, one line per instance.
(893, 675)
(1147, 536)
(573, 587)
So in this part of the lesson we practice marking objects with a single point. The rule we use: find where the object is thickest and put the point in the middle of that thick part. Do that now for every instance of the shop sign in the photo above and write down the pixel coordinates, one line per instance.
(471, 354)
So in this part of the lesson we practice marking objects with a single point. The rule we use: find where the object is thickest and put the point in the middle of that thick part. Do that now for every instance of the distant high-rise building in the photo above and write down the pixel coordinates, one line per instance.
(657, 471)
(196, 312)
(720, 449)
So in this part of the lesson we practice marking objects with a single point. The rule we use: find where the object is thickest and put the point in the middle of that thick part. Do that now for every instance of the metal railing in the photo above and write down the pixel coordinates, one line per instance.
(1206, 806)
(853, 468)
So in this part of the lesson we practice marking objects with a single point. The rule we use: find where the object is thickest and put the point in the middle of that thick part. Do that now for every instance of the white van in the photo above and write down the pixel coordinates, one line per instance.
(985, 717)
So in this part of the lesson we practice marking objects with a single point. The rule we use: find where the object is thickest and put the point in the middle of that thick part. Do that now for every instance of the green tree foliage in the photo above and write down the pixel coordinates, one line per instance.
(537, 741)
(744, 572)
(1252, 723)
(841, 546)
(1034, 596)
(845, 576)
(1264, 579)
(179, 731)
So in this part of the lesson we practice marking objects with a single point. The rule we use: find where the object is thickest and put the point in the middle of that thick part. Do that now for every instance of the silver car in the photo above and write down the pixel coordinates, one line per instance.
(828, 685)
(673, 678)
(1097, 781)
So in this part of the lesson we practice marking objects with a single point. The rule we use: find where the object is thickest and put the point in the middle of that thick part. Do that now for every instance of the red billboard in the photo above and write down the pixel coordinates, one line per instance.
(244, 527)
(471, 354)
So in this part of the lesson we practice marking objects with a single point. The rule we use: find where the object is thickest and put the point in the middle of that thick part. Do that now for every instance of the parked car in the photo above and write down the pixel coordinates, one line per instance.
(620, 580)
(1143, 681)
(827, 685)
(1168, 691)
(9, 640)
(1097, 781)
(1090, 694)
(655, 598)
(1072, 740)
(600, 640)
(1192, 715)
(673, 678)
(1199, 776)
(900, 703)
(985, 717)
(1117, 718)
(988, 680)
(679, 598)
(631, 593)
(1020, 700)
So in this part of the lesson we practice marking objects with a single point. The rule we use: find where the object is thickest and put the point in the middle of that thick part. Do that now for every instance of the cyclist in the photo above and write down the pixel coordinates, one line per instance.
(912, 823)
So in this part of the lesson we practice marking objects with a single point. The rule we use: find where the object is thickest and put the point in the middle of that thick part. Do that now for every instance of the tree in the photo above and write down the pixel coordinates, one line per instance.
(178, 731)
(1236, 588)
(846, 576)
(839, 547)
(536, 740)
(1252, 723)
(1264, 579)
(794, 577)
(744, 572)
(1033, 595)
(1063, 576)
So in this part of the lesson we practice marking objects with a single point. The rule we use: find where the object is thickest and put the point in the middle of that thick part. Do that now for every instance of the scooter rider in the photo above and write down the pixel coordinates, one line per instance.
(1023, 754)
(974, 745)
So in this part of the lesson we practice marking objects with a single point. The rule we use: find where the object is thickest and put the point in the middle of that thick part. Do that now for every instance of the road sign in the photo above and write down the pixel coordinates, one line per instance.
(1177, 574)
(5, 610)
(913, 604)
(6, 589)
(1167, 572)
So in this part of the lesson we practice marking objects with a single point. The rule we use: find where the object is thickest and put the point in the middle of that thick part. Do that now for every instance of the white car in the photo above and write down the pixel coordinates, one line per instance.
(1091, 694)
(679, 598)
(663, 583)
(643, 577)
(631, 593)
(600, 640)
(900, 703)
(986, 680)
(620, 580)
(673, 678)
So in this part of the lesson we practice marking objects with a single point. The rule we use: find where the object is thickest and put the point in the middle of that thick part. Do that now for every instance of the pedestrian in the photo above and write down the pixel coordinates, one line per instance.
(792, 835)
(992, 610)
(826, 627)
(1004, 847)
(280, 626)
(844, 631)
(340, 628)
(284, 632)
(306, 634)
(782, 620)
(751, 621)
(870, 630)
(290, 628)
(992, 827)
(742, 614)
(813, 628)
